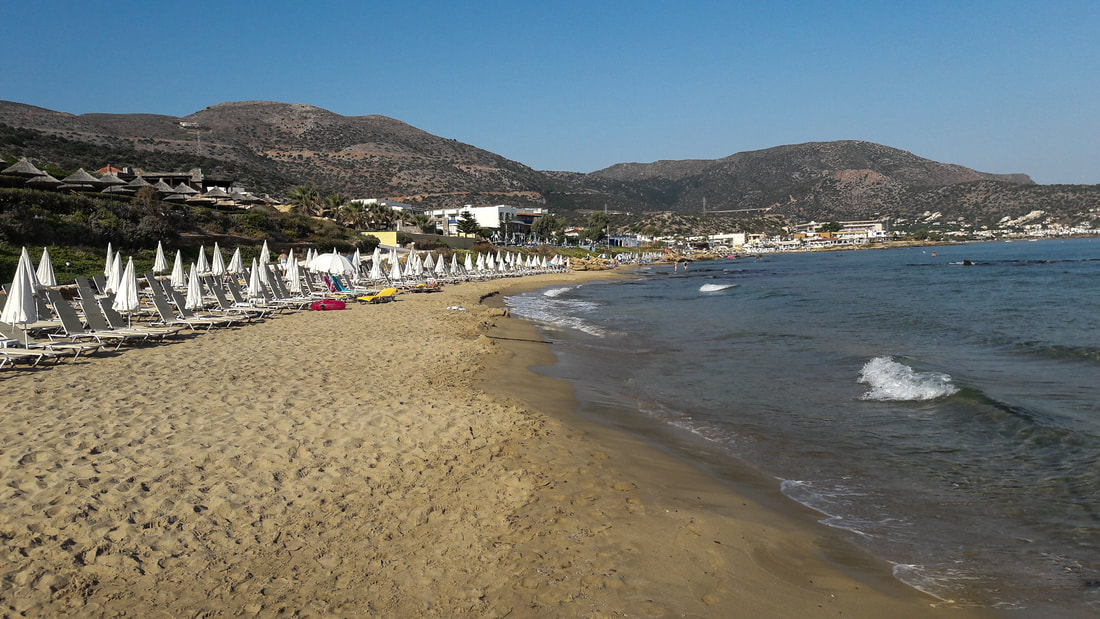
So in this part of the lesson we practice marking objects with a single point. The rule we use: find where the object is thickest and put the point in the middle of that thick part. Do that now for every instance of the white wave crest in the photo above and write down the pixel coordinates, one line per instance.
(553, 292)
(715, 287)
(890, 380)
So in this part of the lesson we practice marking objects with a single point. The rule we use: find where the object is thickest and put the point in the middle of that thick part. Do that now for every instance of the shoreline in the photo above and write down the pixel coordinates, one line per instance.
(798, 560)
(356, 463)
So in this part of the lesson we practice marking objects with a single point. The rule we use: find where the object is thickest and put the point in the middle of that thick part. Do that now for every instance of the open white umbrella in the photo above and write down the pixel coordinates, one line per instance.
(110, 261)
(160, 264)
(331, 263)
(217, 265)
(193, 300)
(203, 265)
(255, 285)
(45, 272)
(20, 307)
(236, 265)
(293, 280)
(177, 278)
(126, 297)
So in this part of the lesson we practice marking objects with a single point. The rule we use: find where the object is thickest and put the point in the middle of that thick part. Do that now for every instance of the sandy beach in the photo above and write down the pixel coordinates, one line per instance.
(393, 460)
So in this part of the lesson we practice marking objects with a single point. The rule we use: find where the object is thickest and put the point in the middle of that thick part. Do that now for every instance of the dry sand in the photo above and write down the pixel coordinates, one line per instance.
(371, 462)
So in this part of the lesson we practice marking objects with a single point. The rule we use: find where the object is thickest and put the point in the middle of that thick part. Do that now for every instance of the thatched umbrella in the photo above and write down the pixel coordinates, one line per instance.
(45, 181)
(138, 183)
(118, 189)
(175, 197)
(185, 189)
(22, 168)
(111, 180)
(79, 180)
(163, 187)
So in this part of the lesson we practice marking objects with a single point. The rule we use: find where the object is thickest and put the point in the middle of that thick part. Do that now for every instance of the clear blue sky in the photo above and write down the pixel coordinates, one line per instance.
(1000, 86)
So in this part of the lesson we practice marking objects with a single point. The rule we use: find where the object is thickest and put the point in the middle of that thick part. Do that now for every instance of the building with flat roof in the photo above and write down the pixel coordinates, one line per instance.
(509, 220)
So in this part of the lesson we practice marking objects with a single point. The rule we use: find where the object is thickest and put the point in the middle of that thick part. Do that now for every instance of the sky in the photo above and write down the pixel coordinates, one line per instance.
(999, 86)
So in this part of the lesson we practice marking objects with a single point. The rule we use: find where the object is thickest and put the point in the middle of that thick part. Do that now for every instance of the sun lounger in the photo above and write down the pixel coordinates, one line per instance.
(73, 327)
(24, 340)
(117, 322)
(386, 294)
(228, 307)
(186, 314)
(168, 316)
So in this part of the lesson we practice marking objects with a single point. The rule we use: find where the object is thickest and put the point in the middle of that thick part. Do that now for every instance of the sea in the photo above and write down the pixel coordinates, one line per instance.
(937, 406)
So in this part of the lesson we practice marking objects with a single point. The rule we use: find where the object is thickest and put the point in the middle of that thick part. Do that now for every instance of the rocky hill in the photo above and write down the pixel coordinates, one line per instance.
(272, 146)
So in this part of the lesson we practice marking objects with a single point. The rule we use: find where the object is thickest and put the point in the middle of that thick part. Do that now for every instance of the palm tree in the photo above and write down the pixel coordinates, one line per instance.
(380, 216)
(305, 199)
(332, 204)
(421, 221)
(353, 215)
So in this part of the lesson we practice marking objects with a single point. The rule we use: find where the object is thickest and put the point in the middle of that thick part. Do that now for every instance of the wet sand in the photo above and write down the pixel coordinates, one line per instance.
(388, 460)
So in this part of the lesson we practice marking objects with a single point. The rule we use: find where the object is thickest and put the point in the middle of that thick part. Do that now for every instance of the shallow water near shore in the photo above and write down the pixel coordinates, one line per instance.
(937, 406)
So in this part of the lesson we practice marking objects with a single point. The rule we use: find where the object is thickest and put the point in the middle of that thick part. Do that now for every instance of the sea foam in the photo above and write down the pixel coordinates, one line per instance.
(890, 380)
(715, 287)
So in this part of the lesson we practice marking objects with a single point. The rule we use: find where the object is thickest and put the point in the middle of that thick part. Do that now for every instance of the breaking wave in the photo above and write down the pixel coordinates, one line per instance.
(893, 381)
(716, 287)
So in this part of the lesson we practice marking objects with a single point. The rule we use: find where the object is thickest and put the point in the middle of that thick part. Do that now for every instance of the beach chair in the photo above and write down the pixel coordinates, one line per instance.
(97, 322)
(73, 327)
(228, 307)
(164, 309)
(119, 323)
(24, 340)
(100, 283)
(218, 320)
(386, 294)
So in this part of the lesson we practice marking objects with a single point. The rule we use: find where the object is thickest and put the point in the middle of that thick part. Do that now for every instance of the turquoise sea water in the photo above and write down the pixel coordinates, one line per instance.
(939, 406)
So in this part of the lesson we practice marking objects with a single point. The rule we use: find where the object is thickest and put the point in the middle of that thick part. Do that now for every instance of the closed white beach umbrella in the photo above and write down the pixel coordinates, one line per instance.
(115, 273)
(480, 262)
(193, 301)
(454, 263)
(293, 280)
(126, 297)
(429, 262)
(160, 263)
(376, 269)
(255, 285)
(265, 255)
(203, 265)
(110, 262)
(217, 264)
(20, 307)
(395, 267)
(357, 260)
(468, 264)
(377, 255)
(45, 272)
(177, 279)
(502, 266)
(490, 263)
(410, 264)
(235, 263)
(441, 267)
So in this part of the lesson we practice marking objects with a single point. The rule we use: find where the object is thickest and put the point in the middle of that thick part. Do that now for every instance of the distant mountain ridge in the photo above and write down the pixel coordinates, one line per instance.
(276, 145)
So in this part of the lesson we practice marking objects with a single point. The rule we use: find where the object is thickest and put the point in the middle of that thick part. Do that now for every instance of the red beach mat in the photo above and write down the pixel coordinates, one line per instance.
(328, 304)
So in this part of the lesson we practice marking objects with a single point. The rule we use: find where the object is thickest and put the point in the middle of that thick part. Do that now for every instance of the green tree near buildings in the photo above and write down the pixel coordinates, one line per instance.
(832, 226)
(467, 223)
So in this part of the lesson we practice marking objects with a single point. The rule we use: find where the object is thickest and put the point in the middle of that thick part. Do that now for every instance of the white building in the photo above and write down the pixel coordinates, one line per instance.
(498, 217)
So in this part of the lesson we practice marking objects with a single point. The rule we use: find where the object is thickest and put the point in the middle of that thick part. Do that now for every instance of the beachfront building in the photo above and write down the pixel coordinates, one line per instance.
(511, 222)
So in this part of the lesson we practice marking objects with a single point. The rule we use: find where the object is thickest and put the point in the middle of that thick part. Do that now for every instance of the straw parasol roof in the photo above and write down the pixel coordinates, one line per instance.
(80, 177)
(138, 183)
(217, 193)
(185, 189)
(163, 187)
(22, 168)
(43, 181)
(111, 179)
(175, 197)
(119, 189)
